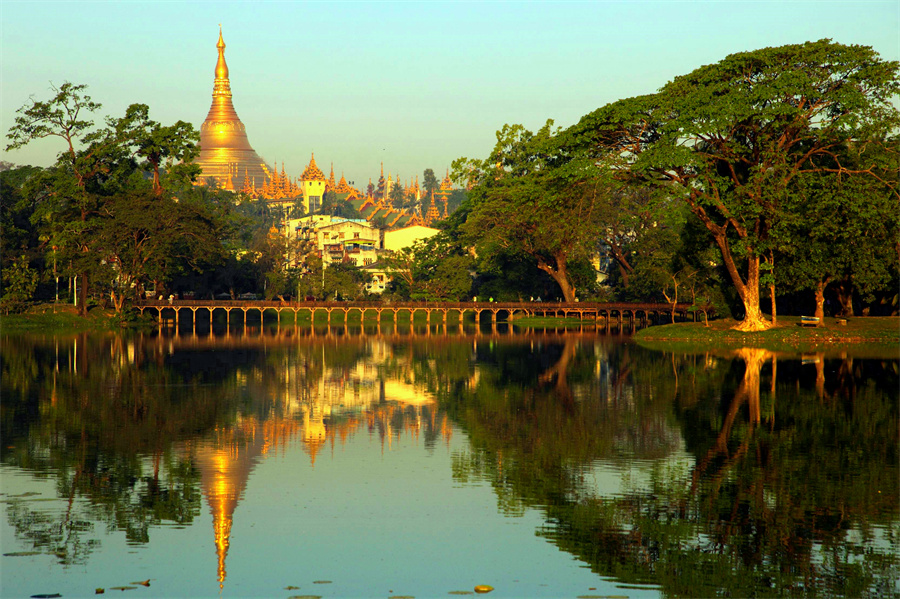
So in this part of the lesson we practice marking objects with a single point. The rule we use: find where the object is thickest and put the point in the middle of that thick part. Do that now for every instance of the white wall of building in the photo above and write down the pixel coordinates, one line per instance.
(404, 238)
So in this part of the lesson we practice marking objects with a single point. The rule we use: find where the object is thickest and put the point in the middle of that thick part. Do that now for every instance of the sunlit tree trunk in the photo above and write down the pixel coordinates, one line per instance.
(560, 274)
(747, 290)
(820, 300)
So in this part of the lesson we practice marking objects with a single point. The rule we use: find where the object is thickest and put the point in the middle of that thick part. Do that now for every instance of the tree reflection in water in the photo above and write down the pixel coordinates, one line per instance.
(743, 473)
(791, 497)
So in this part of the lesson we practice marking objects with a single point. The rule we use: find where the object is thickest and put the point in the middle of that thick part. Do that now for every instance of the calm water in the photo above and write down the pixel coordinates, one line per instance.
(348, 463)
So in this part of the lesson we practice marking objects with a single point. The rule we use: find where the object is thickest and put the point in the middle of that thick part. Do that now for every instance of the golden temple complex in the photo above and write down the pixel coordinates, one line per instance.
(227, 158)
(225, 151)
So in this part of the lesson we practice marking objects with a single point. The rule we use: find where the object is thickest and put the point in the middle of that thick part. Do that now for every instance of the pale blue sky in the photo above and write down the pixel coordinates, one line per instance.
(413, 84)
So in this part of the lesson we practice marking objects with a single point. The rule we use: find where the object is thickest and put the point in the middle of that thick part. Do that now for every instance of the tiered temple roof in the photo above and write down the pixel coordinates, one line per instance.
(312, 172)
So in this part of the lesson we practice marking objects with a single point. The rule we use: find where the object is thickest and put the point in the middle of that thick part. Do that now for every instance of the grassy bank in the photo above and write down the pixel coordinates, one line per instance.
(64, 318)
(880, 335)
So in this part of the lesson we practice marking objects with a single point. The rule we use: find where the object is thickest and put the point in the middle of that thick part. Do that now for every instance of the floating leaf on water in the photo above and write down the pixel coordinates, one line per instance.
(321, 582)
(122, 588)
(46, 596)
(483, 588)
(291, 587)
(460, 593)
(144, 583)
(99, 591)
(21, 553)
(401, 597)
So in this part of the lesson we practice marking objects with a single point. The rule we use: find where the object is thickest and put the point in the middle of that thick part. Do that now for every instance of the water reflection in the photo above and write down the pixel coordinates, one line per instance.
(742, 473)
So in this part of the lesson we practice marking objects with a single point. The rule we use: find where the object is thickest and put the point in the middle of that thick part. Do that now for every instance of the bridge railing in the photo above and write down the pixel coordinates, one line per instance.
(605, 306)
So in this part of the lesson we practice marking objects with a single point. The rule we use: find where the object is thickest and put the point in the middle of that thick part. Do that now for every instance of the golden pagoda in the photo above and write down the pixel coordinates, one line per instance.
(432, 215)
(225, 152)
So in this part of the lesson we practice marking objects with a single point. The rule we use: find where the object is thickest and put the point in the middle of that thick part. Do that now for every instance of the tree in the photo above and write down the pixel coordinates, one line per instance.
(429, 183)
(149, 238)
(344, 281)
(173, 147)
(19, 283)
(79, 166)
(845, 232)
(337, 204)
(83, 191)
(397, 196)
(732, 138)
(533, 197)
(432, 269)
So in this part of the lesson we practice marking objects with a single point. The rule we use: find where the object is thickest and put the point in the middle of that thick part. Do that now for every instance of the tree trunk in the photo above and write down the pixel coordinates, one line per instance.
(83, 294)
(748, 292)
(772, 291)
(559, 274)
(118, 300)
(844, 290)
(820, 301)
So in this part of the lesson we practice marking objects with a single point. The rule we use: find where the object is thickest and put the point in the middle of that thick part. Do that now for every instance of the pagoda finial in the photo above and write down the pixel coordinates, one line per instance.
(221, 67)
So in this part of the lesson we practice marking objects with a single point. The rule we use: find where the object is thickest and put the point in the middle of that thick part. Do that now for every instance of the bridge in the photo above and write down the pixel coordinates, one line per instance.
(645, 313)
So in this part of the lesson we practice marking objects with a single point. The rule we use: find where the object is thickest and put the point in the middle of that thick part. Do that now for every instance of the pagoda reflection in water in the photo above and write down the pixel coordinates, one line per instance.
(331, 406)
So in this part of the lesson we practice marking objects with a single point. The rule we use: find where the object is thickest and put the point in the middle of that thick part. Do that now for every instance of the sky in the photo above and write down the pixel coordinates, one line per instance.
(412, 85)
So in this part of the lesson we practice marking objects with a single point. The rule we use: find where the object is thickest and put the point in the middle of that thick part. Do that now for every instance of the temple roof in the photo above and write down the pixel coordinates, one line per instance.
(312, 172)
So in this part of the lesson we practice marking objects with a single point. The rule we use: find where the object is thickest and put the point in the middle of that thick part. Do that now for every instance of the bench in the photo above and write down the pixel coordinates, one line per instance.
(809, 321)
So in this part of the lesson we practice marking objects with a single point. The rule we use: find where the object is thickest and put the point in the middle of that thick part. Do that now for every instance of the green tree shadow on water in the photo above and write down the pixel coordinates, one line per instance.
(790, 489)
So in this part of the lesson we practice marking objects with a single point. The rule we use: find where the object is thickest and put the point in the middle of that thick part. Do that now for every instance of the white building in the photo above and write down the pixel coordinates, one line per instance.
(337, 239)
(403, 238)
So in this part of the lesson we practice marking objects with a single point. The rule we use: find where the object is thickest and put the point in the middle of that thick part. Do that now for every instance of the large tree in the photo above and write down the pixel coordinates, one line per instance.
(731, 139)
(74, 185)
(145, 237)
(82, 193)
(844, 232)
(167, 150)
(530, 196)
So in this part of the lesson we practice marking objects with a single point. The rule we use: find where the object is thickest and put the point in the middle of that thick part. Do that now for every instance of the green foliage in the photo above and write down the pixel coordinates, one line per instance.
(172, 148)
(732, 138)
(430, 184)
(344, 281)
(433, 269)
(19, 283)
(337, 204)
(843, 229)
(397, 196)
(530, 197)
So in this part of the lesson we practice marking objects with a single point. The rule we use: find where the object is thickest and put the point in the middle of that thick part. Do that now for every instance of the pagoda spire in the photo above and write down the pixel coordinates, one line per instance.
(224, 147)
(331, 184)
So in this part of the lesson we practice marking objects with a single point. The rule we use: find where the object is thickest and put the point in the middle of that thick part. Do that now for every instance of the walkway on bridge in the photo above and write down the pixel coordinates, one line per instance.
(645, 313)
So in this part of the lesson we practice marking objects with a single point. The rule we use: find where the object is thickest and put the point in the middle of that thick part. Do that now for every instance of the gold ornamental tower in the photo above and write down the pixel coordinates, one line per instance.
(225, 152)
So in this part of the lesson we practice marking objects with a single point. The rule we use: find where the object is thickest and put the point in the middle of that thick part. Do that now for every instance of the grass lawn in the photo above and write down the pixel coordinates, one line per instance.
(878, 334)
(47, 318)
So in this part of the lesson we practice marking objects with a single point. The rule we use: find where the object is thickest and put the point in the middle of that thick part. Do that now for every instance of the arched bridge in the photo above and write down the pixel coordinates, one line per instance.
(645, 313)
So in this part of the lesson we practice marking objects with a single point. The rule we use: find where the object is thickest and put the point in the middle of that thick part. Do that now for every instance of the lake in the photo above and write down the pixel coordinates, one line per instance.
(424, 461)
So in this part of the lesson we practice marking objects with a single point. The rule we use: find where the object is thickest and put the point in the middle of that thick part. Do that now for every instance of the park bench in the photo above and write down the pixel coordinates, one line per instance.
(809, 321)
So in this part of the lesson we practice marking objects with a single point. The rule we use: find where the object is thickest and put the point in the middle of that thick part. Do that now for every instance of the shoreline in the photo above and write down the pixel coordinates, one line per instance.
(881, 332)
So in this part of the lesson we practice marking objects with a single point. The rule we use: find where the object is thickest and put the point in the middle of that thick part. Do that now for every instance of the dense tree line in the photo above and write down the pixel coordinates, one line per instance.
(769, 178)
(774, 169)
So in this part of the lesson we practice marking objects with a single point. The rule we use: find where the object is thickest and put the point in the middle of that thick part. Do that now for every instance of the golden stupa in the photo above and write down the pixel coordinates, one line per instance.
(225, 152)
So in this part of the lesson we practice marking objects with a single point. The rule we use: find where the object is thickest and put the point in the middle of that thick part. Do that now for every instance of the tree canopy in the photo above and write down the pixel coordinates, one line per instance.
(732, 138)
